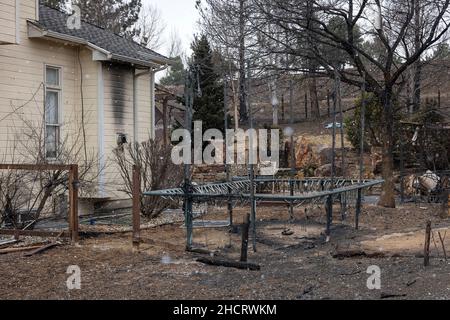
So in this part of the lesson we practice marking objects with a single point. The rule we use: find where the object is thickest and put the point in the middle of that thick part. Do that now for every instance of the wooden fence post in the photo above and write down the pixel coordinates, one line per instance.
(136, 206)
(73, 196)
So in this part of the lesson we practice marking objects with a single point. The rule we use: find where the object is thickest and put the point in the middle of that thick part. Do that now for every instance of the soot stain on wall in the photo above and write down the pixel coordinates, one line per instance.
(119, 78)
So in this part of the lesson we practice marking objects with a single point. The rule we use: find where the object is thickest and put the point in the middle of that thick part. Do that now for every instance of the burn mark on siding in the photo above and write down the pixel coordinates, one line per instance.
(121, 94)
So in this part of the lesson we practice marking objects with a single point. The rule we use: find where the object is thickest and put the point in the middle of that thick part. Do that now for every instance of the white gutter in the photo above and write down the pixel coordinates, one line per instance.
(101, 130)
(153, 104)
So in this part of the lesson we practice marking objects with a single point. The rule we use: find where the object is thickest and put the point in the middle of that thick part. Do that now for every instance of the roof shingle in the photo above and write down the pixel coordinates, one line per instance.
(56, 21)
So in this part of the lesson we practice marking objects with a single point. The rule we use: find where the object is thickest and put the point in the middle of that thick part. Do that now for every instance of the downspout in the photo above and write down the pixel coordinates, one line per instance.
(135, 106)
(152, 103)
(151, 72)
(101, 130)
(135, 103)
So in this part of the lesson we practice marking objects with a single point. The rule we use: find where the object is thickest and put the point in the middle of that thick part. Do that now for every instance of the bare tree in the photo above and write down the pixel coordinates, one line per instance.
(151, 27)
(29, 192)
(157, 172)
(391, 30)
(227, 24)
(175, 48)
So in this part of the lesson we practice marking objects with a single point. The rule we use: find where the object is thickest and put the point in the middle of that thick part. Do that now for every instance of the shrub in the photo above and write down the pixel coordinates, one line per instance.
(373, 123)
(157, 172)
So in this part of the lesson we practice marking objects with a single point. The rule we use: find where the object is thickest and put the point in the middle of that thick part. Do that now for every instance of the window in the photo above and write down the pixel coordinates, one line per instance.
(52, 110)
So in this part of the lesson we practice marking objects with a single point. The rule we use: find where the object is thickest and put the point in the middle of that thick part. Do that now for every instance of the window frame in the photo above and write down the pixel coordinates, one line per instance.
(58, 89)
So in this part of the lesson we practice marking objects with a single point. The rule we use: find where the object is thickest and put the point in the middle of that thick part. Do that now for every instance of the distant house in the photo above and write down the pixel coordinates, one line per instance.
(47, 68)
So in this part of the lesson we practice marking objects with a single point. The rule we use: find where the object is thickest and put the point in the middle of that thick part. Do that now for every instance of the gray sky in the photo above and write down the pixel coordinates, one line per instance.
(180, 15)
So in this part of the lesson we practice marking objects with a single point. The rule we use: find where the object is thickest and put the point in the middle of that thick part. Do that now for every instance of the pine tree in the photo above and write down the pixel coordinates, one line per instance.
(176, 74)
(208, 102)
(118, 16)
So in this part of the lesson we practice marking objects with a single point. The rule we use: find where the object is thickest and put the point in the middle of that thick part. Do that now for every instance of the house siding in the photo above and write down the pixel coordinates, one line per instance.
(8, 14)
(22, 69)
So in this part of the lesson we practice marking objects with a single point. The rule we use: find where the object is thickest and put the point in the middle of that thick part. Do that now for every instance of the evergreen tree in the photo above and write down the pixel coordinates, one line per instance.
(208, 102)
(118, 16)
(175, 75)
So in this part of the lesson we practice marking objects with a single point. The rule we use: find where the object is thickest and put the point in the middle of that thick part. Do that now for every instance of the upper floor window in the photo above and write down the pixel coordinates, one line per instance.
(53, 98)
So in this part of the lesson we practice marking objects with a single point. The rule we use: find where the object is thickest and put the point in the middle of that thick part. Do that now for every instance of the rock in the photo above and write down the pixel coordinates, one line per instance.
(304, 154)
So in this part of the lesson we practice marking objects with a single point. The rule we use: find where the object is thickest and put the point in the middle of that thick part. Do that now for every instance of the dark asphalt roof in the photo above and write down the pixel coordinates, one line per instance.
(56, 21)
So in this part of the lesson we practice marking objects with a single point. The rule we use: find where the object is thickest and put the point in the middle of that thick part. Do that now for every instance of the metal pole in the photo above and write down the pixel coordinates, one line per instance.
(293, 164)
(333, 158)
(402, 173)
(252, 171)
(363, 129)
(341, 129)
(227, 166)
(361, 152)
(188, 94)
(343, 199)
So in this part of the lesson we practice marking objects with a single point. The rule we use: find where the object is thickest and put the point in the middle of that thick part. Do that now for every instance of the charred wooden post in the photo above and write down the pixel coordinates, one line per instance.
(426, 253)
(244, 231)
(136, 206)
(230, 264)
(73, 195)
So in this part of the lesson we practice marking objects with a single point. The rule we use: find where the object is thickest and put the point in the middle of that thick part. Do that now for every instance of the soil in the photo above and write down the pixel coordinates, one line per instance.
(299, 265)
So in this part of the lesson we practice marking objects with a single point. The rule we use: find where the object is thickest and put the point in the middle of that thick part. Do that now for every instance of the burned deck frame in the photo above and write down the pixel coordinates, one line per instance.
(73, 231)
